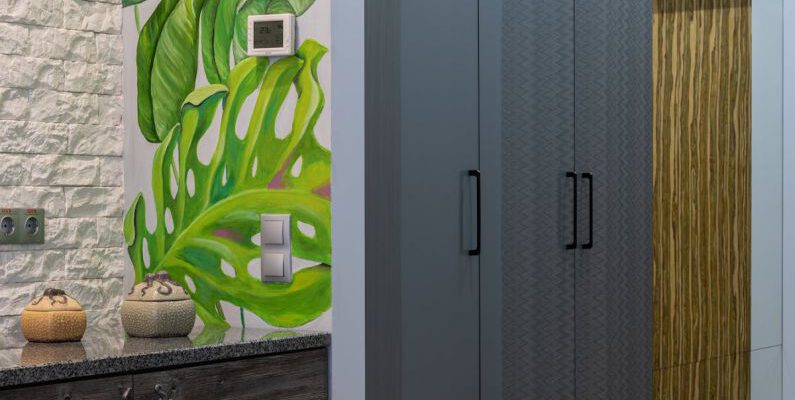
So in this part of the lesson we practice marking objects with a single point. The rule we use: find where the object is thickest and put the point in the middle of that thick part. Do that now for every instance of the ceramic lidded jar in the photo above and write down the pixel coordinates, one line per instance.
(158, 307)
(53, 317)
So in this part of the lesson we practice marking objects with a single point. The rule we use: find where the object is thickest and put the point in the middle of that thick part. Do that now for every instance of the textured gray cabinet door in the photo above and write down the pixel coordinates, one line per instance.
(537, 151)
(614, 143)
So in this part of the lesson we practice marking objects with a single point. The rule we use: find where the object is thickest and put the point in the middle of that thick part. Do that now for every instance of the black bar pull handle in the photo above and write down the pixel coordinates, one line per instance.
(573, 244)
(476, 174)
(589, 177)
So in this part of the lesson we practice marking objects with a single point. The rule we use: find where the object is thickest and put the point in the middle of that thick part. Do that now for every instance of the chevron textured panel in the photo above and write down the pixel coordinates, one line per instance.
(702, 137)
(537, 149)
(614, 143)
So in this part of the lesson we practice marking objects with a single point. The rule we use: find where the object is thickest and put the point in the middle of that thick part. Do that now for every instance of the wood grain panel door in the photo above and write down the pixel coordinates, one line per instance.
(117, 387)
(702, 137)
(290, 376)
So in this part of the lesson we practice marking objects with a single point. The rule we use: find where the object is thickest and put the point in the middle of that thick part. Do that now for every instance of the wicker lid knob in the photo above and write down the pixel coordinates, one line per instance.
(158, 287)
(53, 300)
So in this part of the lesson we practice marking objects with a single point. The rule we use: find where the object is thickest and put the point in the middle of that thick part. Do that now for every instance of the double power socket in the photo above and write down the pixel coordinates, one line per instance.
(21, 226)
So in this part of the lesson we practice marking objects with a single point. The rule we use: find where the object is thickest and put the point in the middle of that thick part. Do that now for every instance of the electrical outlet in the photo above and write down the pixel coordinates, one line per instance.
(21, 226)
(9, 234)
(31, 225)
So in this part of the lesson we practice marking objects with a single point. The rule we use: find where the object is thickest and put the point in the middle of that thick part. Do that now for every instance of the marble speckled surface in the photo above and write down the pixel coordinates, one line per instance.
(106, 350)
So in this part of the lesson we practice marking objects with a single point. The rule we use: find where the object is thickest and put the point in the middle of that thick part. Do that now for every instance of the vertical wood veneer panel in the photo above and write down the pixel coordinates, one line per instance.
(724, 378)
(702, 138)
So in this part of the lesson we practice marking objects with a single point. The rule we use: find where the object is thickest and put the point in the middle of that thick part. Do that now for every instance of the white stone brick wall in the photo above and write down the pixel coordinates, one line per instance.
(61, 149)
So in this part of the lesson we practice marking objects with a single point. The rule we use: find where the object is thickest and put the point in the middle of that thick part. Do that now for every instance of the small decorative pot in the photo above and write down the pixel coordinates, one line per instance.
(158, 307)
(53, 317)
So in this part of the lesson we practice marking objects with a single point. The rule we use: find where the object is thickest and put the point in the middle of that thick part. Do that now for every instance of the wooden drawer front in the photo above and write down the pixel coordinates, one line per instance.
(119, 387)
(302, 375)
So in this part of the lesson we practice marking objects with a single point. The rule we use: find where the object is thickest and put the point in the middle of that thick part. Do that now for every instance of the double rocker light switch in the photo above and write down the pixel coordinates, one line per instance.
(276, 260)
(273, 231)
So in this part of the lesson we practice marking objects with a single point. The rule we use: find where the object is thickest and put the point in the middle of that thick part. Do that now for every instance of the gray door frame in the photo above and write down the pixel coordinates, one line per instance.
(382, 200)
(490, 71)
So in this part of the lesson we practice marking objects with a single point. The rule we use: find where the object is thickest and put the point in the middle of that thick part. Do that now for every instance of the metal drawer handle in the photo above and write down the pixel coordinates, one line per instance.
(125, 392)
(165, 395)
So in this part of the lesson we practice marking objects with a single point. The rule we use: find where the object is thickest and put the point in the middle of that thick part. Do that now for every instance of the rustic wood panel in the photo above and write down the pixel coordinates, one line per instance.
(291, 376)
(724, 378)
(702, 137)
(93, 389)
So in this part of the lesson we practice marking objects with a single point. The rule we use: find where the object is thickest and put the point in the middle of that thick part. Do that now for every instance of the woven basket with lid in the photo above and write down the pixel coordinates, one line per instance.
(158, 307)
(53, 317)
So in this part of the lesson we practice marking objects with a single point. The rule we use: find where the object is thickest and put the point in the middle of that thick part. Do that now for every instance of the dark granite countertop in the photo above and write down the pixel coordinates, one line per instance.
(106, 351)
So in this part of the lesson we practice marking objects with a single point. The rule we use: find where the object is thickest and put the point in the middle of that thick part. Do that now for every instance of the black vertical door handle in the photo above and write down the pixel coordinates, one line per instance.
(476, 174)
(573, 244)
(589, 177)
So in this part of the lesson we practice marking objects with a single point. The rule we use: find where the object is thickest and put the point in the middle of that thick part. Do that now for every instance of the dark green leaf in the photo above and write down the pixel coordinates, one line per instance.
(222, 40)
(208, 18)
(167, 59)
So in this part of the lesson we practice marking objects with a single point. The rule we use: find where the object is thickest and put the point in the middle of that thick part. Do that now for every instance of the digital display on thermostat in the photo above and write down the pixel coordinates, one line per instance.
(268, 34)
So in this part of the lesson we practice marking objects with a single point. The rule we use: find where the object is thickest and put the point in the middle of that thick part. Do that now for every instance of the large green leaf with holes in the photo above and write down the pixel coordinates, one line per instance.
(207, 213)
(174, 37)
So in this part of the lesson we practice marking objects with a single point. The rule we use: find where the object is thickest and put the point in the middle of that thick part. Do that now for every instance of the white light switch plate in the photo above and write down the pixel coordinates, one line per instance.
(275, 241)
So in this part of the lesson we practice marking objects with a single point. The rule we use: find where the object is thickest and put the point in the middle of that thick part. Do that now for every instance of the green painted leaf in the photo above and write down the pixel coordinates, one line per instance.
(224, 32)
(217, 26)
(198, 229)
(173, 73)
(314, 173)
(145, 55)
(167, 60)
(208, 18)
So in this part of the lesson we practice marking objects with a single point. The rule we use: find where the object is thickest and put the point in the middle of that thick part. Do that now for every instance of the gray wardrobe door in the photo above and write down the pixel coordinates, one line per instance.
(438, 145)
(537, 151)
(614, 143)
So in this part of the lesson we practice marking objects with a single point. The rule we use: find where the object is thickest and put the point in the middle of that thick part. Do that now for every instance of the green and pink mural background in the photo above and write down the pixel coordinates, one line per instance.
(214, 140)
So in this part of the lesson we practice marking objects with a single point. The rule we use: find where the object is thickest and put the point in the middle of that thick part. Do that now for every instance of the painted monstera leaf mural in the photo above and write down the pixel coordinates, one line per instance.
(208, 213)
(168, 50)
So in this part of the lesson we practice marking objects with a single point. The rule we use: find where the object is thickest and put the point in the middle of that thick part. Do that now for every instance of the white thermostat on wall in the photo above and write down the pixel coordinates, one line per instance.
(271, 35)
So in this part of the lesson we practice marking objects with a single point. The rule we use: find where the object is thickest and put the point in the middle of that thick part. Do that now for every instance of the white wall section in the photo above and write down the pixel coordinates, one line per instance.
(61, 147)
